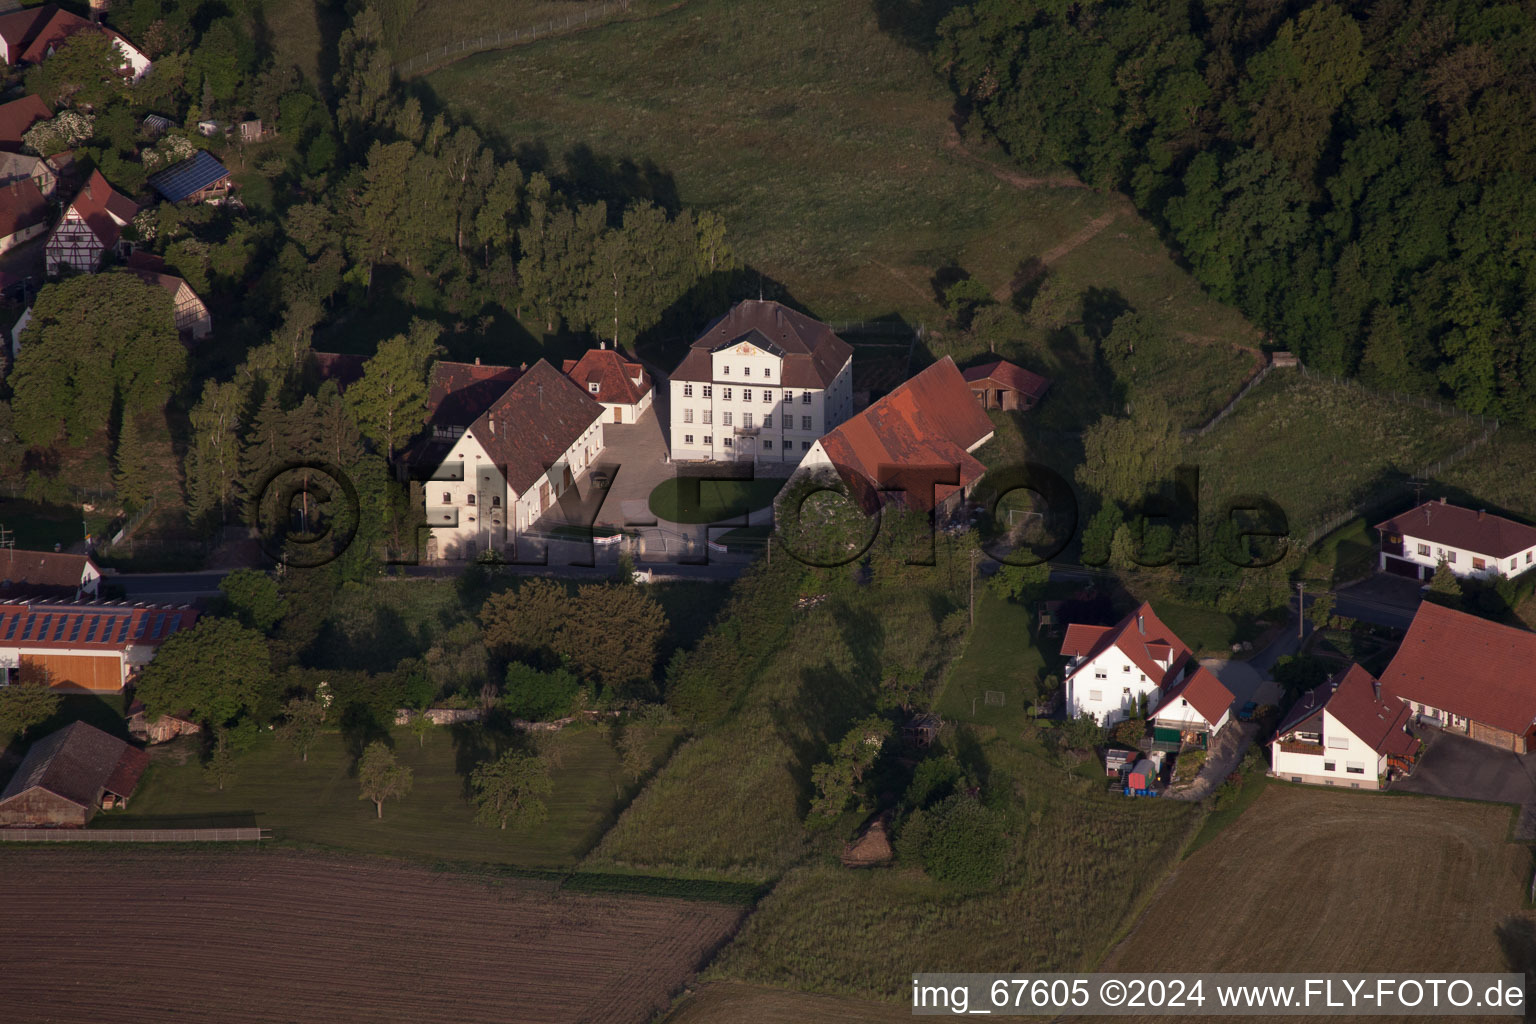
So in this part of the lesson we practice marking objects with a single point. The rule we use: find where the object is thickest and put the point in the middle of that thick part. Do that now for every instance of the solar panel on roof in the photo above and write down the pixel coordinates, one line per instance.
(188, 177)
(159, 625)
(58, 629)
(173, 625)
(90, 633)
(11, 622)
(74, 634)
(41, 622)
(122, 629)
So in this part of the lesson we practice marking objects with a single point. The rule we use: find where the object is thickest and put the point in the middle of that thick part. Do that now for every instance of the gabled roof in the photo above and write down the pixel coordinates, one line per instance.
(77, 764)
(1205, 693)
(528, 428)
(19, 28)
(103, 209)
(41, 571)
(53, 30)
(1353, 699)
(1468, 529)
(19, 115)
(613, 373)
(1467, 666)
(1136, 635)
(22, 206)
(928, 422)
(812, 353)
(461, 392)
(1009, 375)
(188, 177)
(85, 626)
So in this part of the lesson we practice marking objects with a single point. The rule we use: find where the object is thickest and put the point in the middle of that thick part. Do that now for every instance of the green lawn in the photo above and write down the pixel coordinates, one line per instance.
(1206, 630)
(1345, 554)
(1000, 657)
(715, 501)
(318, 803)
(1497, 476)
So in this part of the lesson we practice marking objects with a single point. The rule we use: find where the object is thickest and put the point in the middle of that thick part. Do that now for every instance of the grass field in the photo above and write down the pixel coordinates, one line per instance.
(1314, 880)
(257, 935)
(1497, 476)
(834, 163)
(999, 657)
(1317, 446)
(317, 803)
(716, 500)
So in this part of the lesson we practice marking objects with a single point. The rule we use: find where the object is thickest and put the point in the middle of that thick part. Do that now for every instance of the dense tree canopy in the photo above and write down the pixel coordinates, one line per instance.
(216, 671)
(1354, 175)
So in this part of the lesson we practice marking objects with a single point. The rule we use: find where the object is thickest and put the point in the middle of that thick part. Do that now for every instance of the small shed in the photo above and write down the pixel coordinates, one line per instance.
(196, 179)
(1143, 775)
(156, 124)
(69, 775)
(251, 131)
(922, 730)
(1116, 761)
(159, 730)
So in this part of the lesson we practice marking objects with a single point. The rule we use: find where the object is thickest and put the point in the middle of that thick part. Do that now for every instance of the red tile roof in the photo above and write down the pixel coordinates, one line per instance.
(19, 115)
(1205, 693)
(18, 28)
(1140, 635)
(53, 30)
(103, 209)
(1467, 666)
(1379, 722)
(613, 373)
(36, 571)
(22, 206)
(1009, 375)
(461, 392)
(812, 353)
(531, 425)
(78, 763)
(1464, 528)
(89, 627)
(929, 422)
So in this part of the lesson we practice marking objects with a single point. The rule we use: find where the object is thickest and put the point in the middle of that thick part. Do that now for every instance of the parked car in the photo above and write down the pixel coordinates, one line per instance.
(1245, 713)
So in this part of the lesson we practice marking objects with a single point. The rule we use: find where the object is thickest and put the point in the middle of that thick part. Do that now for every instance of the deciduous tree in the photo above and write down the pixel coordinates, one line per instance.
(510, 790)
(381, 775)
(215, 671)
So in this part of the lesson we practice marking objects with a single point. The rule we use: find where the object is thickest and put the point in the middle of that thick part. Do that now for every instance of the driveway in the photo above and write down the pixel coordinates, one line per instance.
(1462, 767)
(1225, 754)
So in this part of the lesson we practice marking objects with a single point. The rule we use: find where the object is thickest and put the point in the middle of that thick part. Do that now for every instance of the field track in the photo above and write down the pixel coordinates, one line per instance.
(280, 937)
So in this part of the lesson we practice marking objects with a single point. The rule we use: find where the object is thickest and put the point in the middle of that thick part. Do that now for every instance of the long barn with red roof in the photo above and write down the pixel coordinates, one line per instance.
(83, 647)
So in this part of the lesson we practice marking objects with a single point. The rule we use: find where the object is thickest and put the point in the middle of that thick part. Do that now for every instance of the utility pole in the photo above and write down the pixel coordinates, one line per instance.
(1301, 609)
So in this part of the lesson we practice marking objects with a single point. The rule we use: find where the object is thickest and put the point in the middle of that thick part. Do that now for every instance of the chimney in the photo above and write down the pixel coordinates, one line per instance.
(1141, 624)
(523, 368)
(1376, 688)
(1480, 512)
(492, 421)
(1442, 501)
(477, 360)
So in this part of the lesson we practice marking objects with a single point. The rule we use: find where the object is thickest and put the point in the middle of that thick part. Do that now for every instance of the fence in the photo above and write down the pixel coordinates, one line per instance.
(133, 524)
(1210, 424)
(133, 835)
(506, 37)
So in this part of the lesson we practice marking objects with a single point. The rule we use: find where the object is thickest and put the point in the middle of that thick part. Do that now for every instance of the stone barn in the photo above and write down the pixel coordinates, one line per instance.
(69, 775)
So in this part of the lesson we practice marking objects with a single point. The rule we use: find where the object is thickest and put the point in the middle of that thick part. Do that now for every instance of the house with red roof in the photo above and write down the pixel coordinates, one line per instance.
(69, 775)
(47, 575)
(1465, 673)
(513, 463)
(33, 34)
(1345, 733)
(761, 383)
(193, 321)
(615, 381)
(79, 647)
(19, 115)
(1110, 669)
(1470, 541)
(999, 384)
(917, 441)
(90, 227)
(23, 212)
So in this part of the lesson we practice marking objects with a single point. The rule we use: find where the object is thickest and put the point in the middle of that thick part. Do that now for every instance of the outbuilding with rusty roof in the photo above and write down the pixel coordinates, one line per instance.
(69, 775)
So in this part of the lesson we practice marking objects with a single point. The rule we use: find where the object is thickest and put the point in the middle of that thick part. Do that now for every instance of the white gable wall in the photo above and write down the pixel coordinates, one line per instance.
(1345, 760)
(1108, 687)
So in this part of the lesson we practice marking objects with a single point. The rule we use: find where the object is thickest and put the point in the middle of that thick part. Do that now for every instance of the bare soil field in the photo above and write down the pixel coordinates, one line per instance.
(266, 936)
(729, 1002)
(1325, 881)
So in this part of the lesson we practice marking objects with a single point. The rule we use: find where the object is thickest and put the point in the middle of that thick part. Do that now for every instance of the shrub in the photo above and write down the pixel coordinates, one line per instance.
(539, 696)
(934, 779)
(1130, 732)
(959, 842)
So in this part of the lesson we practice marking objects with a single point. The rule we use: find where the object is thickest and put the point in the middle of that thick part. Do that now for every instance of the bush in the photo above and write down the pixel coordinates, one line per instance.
(935, 778)
(1130, 732)
(959, 842)
(539, 696)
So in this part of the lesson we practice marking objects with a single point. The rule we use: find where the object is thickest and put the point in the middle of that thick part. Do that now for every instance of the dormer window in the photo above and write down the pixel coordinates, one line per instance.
(447, 498)
(592, 386)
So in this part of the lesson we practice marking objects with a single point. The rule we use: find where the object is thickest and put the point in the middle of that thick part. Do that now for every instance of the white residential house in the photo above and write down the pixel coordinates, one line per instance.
(615, 381)
(511, 464)
(763, 382)
(90, 228)
(47, 575)
(1344, 733)
(1111, 668)
(1198, 705)
(1470, 541)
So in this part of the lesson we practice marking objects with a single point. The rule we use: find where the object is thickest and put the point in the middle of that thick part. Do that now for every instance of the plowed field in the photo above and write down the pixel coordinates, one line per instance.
(277, 937)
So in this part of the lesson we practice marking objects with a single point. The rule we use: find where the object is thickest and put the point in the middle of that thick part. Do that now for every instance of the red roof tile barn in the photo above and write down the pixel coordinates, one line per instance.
(70, 774)
(1468, 673)
(46, 575)
(83, 647)
(1000, 384)
(927, 424)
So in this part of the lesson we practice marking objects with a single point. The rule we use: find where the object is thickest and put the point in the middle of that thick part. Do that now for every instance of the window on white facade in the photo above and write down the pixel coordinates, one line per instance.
(767, 395)
(1424, 550)
(1512, 563)
(1183, 703)
(495, 501)
(687, 415)
(1528, 558)
(1099, 673)
(1124, 690)
(805, 423)
(767, 446)
(687, 439)
(746, 394)
(805, 398)
(746, 371)
(746, 420)
(725, 418)
(1354, 767)
(789, 396)
(1450, 556)
(447, 498)
(709, 415)
(768, 424)
(1338, 741)
(592, 387)
(805, 446)
(687, 390)
(709, 439)
(709, 390)
(1125, 668)
(725, 393)
(1478, 563)
(1330, 766)
(725, 371)
(727, 442)
(469, 500)
(1095, 694)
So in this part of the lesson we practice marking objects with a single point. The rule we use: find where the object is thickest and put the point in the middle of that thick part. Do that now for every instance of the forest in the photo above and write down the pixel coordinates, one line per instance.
(1356, 177)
